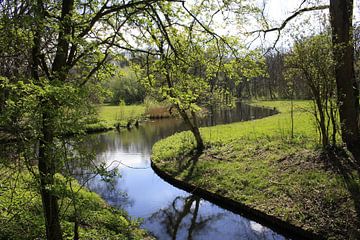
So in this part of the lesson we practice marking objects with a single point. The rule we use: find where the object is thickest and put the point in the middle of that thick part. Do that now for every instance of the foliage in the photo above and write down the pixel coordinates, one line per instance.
(243, 71)
(24, 110)
(125, 87)
(50, 82)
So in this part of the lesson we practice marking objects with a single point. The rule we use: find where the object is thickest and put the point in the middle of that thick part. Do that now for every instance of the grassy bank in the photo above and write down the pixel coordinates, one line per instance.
(259, 164)
(21, 215)
(111, 116)
(120, 116)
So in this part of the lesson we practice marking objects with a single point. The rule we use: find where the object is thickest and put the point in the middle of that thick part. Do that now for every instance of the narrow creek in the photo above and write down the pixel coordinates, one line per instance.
(168, 212)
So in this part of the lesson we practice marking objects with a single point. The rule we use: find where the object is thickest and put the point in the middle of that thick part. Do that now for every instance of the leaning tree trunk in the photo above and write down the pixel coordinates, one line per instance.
(193, 128)
(347, 89)
(192, 125)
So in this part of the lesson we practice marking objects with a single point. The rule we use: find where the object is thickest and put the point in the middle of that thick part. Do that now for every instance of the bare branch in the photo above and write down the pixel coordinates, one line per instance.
(287, 20)
(217, 36)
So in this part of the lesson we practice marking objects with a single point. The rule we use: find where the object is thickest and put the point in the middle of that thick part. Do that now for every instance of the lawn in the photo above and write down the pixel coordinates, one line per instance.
(260, 164)
(110, 116)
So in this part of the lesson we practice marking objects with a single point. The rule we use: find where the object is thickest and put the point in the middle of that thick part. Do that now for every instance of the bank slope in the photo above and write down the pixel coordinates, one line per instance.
(259, 164)
(21, 215)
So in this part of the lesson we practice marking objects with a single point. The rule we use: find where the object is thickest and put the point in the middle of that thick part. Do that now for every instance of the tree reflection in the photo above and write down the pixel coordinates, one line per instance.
(182, 218)
(186, 217)
(111, 192)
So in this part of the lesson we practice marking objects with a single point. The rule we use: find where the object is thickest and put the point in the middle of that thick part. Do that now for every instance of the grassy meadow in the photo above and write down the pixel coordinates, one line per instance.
(260, 164)
(111, 116)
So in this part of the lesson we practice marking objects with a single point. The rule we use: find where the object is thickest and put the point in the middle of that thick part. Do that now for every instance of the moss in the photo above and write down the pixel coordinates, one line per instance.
(258, 163)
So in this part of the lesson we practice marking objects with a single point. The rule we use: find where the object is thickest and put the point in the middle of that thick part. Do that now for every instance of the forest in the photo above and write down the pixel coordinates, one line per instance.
(179, 119)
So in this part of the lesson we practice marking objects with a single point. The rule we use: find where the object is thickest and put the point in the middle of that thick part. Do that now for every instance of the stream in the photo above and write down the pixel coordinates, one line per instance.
(166, 211)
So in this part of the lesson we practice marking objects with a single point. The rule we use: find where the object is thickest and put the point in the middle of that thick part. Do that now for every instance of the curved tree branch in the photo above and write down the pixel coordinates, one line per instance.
(287, 20)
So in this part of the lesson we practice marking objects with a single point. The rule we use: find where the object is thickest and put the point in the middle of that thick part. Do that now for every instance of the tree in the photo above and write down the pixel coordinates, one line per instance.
(52, 75)
(245, 72)
(311, 61)
(124, 86)
(341, 13)
(180, 75)
(186, 64)
(347, 88)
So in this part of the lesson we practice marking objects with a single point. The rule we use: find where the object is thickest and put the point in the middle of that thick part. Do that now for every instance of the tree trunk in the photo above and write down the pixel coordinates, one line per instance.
(200, 143)
(47, 171)
(193, 128)
(347, 89)
(270, 83)
(333, 122)
(322, 122)
(46, 163)
(193, 219)
(76, 229)
(59, 66)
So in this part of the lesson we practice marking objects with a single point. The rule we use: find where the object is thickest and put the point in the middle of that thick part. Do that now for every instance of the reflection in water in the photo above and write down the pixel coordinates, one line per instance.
(181, 216)
(140, 140)
(189, 217)
(112, 193)
(168, 212)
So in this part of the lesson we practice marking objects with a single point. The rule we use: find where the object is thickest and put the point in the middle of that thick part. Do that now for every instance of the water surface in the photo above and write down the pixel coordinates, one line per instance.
(168, 212)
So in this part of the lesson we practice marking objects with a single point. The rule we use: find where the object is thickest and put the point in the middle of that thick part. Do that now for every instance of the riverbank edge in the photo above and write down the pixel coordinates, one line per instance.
(280, 225)
(98, 128)
(276, 224)
(132, 117)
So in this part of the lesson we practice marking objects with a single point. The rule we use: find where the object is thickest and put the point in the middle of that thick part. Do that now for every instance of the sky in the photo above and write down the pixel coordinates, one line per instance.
(279, 9)
(276, 11)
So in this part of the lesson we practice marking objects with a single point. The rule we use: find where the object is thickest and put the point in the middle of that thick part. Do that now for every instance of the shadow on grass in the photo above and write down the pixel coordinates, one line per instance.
(342, 164)
(188, 163)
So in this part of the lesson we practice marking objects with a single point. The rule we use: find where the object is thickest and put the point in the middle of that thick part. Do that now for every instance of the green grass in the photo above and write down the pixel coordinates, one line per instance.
(109, 116)
(259, 164)
(115, 114)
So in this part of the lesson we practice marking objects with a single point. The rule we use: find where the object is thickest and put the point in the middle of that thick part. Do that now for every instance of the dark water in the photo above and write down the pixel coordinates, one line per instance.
(168, 212)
